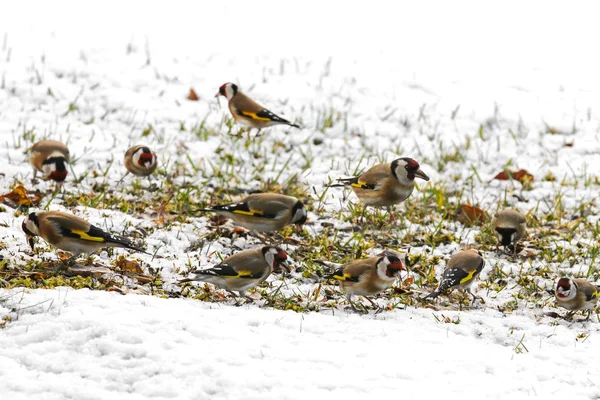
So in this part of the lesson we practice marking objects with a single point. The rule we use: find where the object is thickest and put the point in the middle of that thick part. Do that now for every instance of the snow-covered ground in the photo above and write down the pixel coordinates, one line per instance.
(466, 89)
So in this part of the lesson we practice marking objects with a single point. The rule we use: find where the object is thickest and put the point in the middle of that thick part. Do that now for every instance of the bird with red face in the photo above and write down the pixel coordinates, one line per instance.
(50, 157)
(243, 270)
(384, 185)
(140, 160)
(367, 277)
(576, 294)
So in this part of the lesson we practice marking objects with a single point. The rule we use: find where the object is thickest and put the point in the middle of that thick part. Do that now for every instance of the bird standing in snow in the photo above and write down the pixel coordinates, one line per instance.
(244, 270)
(576, 294)
(367, 277)
(247, 112)
(50, 157)
(263, 212)
(460, 273)
(509, 227)
(70, 233)
(385, 185)
(140, 160)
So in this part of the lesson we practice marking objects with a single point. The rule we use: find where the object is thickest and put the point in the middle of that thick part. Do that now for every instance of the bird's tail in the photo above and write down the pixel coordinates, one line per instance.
(432, 295)
(343, 182)
(294, 125)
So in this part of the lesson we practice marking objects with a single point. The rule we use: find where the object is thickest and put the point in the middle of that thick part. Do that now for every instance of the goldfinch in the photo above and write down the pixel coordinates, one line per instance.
(368, 277)
(460, 273)
(247, 112)
(509, 227)
(140, 160)
(243, 270)
(70, 233)
(385, 184)
(50, 157)
(576, 294)
(263, 212)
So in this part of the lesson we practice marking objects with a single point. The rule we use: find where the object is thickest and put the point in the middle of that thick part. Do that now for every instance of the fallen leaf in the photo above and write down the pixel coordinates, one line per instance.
(521, 175)
(502, 176)
(469, 215)
(22, 197)
(193, 96)
(408, 281)
(129, 266)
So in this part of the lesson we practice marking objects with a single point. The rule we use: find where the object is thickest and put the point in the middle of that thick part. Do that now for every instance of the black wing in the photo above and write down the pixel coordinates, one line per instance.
(227, 271)
(241, 208)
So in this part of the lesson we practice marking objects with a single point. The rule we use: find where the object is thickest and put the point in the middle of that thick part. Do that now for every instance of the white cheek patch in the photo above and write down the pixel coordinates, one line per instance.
(48, 169)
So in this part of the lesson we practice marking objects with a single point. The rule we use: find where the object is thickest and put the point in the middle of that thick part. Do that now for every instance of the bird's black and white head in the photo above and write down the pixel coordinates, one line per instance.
(406, 169)
(55, 167)
(228, 90)
(276, 258)
(31, 226)
(144, 157)
(565, 289)
(389, 267)
(505, 235)
(299, 214)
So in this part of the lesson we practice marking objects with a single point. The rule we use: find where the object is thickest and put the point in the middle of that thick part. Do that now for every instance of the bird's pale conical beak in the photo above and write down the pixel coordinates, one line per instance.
(421, 174)
(218, 94)
(285, 266)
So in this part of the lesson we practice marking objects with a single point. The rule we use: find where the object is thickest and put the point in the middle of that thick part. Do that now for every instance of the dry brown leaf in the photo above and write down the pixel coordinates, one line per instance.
(521, 175)
(129, 266)
(502, 176)
(22, 197)
(193, 96)
(408, 281)
(469, 215)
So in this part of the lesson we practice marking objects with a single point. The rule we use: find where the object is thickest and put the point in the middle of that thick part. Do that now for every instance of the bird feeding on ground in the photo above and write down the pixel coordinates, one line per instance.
(576, 294)
(244, 270)
(263, 212)
(367, 277)
(140, 160)
(385, 185)
(50, 158)
(247, 112)
(509, 227)
(460, 273)
(71, 233)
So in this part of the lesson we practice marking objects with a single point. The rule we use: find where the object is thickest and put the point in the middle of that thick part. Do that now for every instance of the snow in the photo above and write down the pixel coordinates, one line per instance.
(513, 68)
(83, 344)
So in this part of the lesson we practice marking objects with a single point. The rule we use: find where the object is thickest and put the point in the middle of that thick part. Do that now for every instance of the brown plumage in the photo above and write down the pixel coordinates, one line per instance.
(50, 158)
(70, 233)
(243, 270)
(576, 294)
(263, 212)
(140, 160)
(247, 112)
(460, 272)
(368, 276)
(385, 184)
(509, 227)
